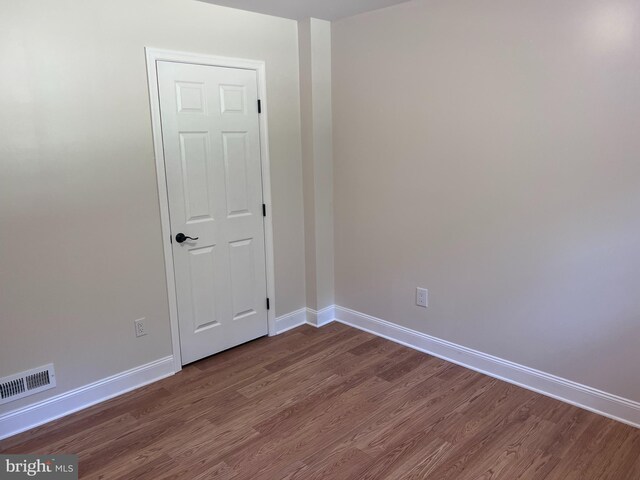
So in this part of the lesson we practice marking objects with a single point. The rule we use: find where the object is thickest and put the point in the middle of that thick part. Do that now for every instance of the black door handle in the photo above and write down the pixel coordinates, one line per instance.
(181, 238)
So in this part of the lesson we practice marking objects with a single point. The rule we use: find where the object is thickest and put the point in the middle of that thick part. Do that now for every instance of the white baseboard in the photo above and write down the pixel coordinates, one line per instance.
(322, 317)
(305, 316)
(39, 413)
(291, 320)
(603, 403)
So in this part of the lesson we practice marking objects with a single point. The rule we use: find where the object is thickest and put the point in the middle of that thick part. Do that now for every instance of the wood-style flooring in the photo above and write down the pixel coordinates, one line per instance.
(336, 403)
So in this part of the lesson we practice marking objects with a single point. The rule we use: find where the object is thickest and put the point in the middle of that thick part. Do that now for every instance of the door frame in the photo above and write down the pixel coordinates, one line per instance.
(154, 55)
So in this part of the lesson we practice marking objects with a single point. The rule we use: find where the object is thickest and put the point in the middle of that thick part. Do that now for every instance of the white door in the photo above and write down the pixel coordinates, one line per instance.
(211, 140)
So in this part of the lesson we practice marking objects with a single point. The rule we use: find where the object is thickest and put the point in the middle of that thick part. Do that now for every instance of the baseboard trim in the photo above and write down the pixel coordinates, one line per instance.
(26, 418)
(603, 403)
(320, 318)
(597, 401)
(305, 316)
(291, 320)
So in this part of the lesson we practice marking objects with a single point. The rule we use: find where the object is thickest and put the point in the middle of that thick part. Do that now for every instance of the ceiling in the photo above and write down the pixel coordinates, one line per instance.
(299, 9)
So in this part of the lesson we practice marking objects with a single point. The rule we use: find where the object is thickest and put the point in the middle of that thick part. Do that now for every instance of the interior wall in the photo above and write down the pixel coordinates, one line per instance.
(488, 151)
(80, 241)
(314, 38)
(308, 174)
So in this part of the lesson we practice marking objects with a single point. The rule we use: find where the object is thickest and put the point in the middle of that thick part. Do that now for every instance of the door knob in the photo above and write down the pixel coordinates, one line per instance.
(181, 238)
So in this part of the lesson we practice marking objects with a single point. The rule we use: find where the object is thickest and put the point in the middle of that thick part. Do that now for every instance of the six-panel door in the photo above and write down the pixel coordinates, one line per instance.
(211, 144)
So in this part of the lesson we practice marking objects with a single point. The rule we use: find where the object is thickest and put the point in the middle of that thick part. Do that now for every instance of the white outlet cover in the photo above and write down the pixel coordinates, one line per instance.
(422, 297)
(140, 327)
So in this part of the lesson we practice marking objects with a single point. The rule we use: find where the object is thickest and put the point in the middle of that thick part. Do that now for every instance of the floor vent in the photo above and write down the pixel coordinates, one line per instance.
(27, 383)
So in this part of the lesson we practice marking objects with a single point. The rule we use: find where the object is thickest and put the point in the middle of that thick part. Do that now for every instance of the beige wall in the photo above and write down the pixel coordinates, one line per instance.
(308, 173)
(80, 244)
(489, 151)
(317, 159)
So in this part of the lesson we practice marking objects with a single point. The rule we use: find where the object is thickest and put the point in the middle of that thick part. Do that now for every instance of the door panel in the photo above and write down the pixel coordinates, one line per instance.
(212, 158)
(243, 292)
(202, 267)
(235, 164)
(195, 154)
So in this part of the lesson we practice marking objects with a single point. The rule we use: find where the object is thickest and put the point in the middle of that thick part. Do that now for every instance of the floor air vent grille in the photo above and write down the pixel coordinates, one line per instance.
(27, 383)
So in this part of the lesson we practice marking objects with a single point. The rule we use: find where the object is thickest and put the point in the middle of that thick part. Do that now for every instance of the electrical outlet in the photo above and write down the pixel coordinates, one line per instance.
(422, 297)
(141, 328)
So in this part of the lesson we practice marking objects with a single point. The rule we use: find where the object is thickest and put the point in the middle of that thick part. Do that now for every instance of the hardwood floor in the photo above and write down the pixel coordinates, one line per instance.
(336, 403)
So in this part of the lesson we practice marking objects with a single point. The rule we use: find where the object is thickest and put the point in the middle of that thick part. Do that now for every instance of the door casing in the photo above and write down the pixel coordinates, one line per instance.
(154, 55)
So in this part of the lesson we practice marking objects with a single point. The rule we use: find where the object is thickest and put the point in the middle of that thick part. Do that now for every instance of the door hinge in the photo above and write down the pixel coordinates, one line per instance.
(259, 106)
(264, 210)
(268, 304)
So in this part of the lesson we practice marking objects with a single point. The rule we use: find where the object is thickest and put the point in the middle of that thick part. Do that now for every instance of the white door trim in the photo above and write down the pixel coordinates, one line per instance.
(155, 55)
